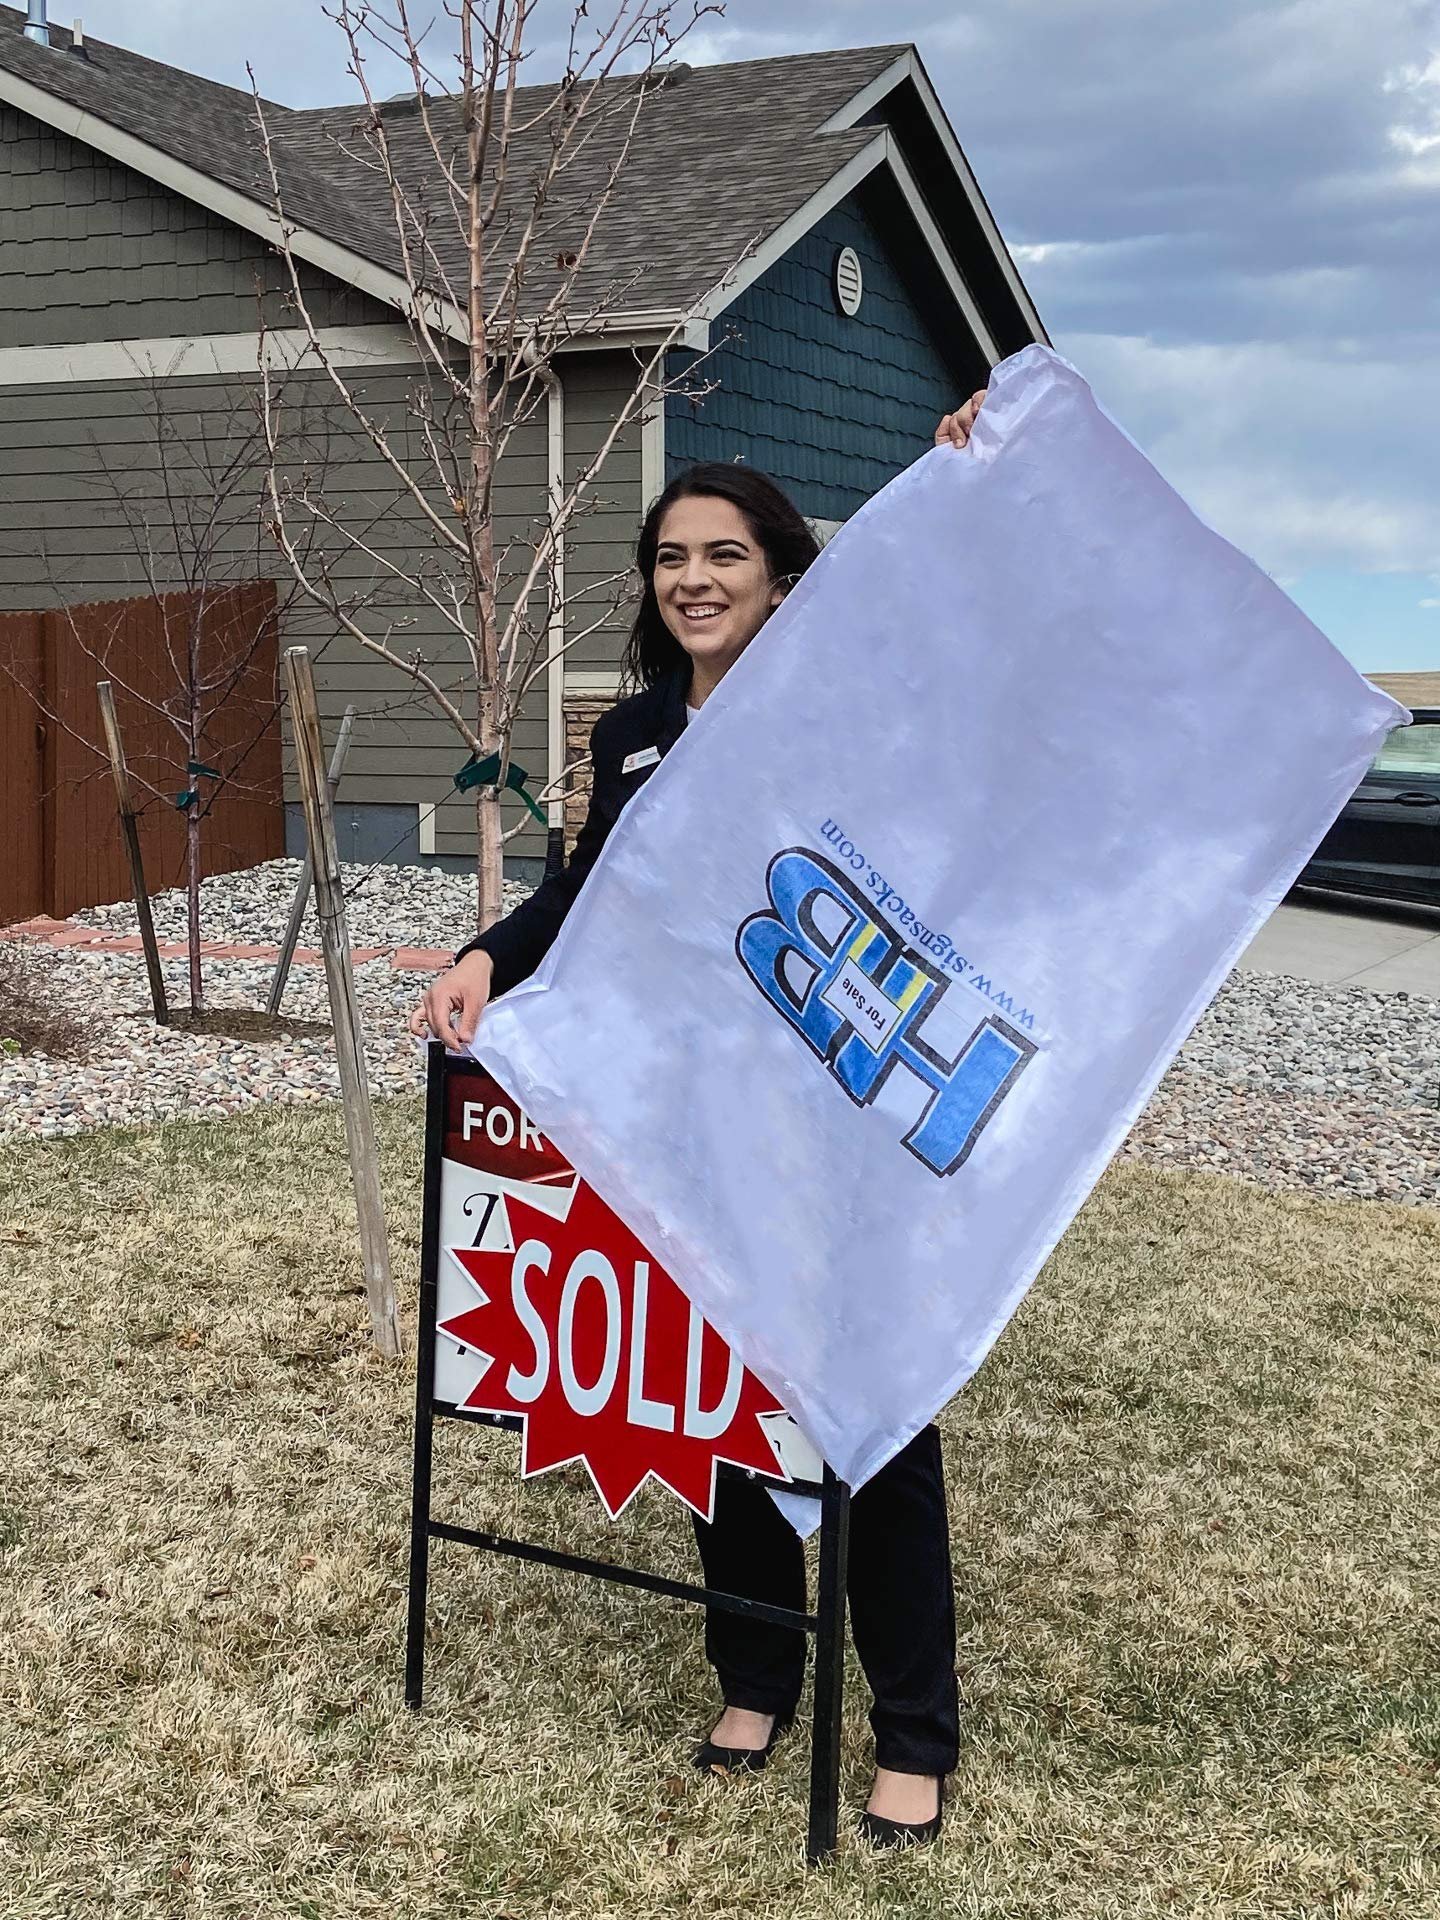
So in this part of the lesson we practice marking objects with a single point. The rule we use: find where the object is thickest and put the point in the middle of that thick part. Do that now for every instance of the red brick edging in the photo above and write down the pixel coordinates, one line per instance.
(63, 933)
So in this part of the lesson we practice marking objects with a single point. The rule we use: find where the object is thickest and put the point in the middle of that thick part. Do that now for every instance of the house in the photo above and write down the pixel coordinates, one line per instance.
(810, 220)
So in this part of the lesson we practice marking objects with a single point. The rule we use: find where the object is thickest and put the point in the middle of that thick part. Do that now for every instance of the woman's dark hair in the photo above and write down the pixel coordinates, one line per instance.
(776, 523)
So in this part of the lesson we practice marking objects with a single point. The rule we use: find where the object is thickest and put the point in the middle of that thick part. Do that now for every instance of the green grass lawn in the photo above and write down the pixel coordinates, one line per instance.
(1196, 1543)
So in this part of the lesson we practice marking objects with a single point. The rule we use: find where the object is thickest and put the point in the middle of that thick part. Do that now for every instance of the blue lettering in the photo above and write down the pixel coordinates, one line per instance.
(973, 1088)
(774, 947)
(795, 952)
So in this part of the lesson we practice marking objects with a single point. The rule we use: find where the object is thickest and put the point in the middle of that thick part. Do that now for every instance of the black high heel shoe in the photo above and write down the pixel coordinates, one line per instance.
(886, 1835)
(712, 1758)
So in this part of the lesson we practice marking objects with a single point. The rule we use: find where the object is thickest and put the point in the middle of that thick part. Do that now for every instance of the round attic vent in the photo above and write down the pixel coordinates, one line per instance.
(849, 281)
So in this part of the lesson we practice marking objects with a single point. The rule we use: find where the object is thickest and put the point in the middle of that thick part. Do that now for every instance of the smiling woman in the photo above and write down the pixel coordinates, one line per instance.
(717, 554)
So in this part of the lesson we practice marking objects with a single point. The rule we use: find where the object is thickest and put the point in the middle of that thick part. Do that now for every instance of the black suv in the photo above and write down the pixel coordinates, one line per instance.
(1387, 840)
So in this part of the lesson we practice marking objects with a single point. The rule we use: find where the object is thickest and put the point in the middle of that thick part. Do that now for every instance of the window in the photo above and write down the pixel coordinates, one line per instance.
(1414, 749)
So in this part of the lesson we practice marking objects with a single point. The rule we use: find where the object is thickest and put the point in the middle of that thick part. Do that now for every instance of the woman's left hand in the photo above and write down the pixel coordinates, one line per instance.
(954, 429)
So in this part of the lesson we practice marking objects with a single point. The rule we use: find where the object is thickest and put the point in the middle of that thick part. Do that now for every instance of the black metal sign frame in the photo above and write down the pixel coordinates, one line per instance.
(826, 1623)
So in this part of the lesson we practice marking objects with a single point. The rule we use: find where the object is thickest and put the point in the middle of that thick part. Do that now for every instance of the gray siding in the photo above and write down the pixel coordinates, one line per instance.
(93, 251)
(602, 541)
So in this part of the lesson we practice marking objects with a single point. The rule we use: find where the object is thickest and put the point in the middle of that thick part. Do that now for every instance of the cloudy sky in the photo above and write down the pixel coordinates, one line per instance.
(1228, 212)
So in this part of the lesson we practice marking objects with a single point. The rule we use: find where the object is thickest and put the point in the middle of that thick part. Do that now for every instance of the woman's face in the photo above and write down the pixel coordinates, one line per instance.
(712, 581)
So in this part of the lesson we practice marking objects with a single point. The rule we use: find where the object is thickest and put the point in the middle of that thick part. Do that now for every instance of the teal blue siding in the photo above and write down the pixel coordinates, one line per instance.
(832, 406)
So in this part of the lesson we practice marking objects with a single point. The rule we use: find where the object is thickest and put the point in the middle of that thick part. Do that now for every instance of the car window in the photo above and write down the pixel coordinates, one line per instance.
(1414, 749)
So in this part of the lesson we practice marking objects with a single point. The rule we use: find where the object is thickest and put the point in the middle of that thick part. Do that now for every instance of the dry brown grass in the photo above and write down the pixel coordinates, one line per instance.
(1194, 1499)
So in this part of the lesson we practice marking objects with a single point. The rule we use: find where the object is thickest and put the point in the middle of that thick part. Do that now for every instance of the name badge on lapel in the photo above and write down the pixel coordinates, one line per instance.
(646, 757)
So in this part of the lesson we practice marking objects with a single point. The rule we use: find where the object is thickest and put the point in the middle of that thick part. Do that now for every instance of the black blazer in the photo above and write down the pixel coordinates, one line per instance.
(655, 718)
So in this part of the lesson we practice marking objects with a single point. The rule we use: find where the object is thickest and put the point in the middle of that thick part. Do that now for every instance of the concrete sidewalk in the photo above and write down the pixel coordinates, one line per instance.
(1351, 943)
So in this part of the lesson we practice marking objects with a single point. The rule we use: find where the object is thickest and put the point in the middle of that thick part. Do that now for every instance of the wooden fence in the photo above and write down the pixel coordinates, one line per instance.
(61, 847)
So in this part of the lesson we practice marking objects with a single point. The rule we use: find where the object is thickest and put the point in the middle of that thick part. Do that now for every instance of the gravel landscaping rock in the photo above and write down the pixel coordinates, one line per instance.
(1266, 1031)
(141, 1073)
(385, 906)
(1285, 1083)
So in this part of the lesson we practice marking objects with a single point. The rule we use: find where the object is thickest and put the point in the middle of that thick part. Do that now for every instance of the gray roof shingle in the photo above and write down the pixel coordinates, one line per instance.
(721, 159)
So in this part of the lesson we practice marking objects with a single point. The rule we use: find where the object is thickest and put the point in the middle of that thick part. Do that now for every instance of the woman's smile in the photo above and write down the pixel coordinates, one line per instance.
(704, 625)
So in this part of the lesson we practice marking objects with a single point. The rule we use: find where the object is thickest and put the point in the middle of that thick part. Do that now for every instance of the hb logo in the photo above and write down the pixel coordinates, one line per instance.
(859, 998)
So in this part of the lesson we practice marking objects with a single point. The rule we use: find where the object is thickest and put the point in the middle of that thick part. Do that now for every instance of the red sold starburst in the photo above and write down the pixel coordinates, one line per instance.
(594, 1346)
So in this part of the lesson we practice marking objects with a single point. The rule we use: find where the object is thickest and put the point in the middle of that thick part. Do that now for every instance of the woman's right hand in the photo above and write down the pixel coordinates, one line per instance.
(955, 429)
(451, 1007)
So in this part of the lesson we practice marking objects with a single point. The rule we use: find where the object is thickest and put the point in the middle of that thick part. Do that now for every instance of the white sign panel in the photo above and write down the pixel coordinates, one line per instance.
(879, 967)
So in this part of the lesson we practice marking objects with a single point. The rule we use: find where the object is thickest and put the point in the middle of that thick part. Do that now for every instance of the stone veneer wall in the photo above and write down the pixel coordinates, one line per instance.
(582, 710)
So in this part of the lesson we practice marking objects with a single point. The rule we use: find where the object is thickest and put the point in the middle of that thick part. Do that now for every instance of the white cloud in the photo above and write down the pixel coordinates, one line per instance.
(1052, 252)
(1418, 136)
(1299, 465)
(710, 46)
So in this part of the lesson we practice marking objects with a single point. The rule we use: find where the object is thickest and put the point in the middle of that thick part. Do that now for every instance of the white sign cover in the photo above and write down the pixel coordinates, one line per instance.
(879, 967)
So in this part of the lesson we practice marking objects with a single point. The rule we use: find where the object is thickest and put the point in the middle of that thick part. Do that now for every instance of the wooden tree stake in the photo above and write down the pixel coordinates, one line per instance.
(125, 801)
(302, 885)
(344, 1009)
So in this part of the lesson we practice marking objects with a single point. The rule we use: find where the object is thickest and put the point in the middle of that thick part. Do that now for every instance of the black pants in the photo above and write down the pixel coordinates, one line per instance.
(902, 1605)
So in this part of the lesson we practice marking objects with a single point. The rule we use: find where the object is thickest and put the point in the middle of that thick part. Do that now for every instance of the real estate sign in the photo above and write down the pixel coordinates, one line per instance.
(550, 1310)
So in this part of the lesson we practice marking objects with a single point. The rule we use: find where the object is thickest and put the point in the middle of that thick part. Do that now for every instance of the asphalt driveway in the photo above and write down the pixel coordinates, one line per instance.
(1351, 943)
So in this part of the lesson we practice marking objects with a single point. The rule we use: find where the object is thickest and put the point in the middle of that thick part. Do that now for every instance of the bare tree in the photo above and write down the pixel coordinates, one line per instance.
(493, 194)
(194, 537)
